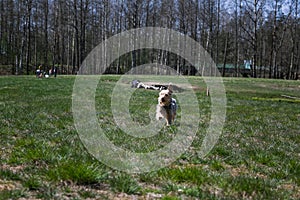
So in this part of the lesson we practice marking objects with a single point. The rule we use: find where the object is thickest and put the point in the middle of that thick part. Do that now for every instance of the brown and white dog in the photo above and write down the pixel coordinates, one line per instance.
(167, 106)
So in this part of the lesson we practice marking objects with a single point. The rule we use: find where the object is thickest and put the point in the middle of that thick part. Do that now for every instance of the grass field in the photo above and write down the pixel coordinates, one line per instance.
(257, 155)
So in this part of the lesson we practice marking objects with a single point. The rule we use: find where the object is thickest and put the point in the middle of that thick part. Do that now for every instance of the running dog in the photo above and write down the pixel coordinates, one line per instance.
(167, 106)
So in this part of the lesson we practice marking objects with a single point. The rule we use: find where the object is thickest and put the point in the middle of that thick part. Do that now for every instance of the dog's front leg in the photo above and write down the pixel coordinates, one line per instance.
(169, 118)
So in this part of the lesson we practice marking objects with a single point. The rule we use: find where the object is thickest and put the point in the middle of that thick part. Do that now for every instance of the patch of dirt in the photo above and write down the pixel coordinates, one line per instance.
(14, 169)
(100, 192)
(291, 187)
(8, 185)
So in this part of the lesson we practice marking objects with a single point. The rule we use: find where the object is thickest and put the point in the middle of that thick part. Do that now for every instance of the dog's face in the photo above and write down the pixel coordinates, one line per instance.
(167, 106)
(165, 97)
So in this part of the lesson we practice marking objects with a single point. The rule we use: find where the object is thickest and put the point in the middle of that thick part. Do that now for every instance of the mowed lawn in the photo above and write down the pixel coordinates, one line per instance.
(256, 157)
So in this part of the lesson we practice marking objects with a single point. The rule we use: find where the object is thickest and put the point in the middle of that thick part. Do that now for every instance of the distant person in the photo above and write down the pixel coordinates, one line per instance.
(39, 72)
(55, 71)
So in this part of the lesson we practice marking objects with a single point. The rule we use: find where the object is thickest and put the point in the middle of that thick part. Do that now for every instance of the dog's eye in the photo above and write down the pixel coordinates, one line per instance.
(166, 95)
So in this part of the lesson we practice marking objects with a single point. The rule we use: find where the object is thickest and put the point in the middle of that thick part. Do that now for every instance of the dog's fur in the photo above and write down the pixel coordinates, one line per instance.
(167, 106)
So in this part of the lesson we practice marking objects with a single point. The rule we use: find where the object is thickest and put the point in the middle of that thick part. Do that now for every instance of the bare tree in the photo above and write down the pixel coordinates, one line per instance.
(237, 29)
(294, 30)
(279, 27)
(61, 32)
(253, 13)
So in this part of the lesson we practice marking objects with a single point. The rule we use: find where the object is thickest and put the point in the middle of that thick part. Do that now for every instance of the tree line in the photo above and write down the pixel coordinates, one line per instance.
(61, 33)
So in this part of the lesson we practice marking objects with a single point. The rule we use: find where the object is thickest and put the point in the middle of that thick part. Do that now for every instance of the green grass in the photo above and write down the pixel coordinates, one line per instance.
(124, 183)
(256, 157)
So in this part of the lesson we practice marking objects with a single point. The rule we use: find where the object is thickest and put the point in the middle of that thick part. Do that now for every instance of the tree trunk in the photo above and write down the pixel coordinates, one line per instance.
(225, 55)
(28, 51)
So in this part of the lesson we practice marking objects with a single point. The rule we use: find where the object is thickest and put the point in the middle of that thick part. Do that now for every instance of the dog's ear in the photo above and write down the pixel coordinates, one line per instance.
(170, 87)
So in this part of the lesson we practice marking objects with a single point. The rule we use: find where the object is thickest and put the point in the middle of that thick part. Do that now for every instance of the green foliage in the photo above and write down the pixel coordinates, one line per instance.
(32, 183)
(87, 194)
(125, 183)
(170, 198)
(9, 175)
(194, 175)
(77, 172)
(12, 194)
